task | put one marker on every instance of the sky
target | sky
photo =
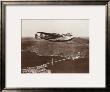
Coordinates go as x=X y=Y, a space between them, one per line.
x=79 y=28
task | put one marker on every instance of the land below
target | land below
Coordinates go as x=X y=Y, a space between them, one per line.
x=56 y=57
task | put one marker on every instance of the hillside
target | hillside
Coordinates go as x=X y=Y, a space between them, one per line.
x=56 y=55
x=47 y=48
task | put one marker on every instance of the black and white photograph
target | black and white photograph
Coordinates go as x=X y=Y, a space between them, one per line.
x=55 y=46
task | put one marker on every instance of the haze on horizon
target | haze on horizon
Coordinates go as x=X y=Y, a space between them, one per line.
x=79 y=28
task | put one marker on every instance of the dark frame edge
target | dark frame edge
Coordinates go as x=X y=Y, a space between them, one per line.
x=2 y=46
x=3 y=7
x=56 y=2
x=108 y=46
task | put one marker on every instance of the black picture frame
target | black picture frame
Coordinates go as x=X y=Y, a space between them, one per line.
x=53 y=2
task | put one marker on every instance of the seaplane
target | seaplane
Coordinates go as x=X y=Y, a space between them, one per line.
x=54 y=37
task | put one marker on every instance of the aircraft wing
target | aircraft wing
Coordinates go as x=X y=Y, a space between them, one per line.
x=50 y=34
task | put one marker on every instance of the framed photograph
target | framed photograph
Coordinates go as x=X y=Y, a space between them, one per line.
x=54 y=44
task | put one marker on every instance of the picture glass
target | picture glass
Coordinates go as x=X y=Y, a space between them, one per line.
x=55 y=46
